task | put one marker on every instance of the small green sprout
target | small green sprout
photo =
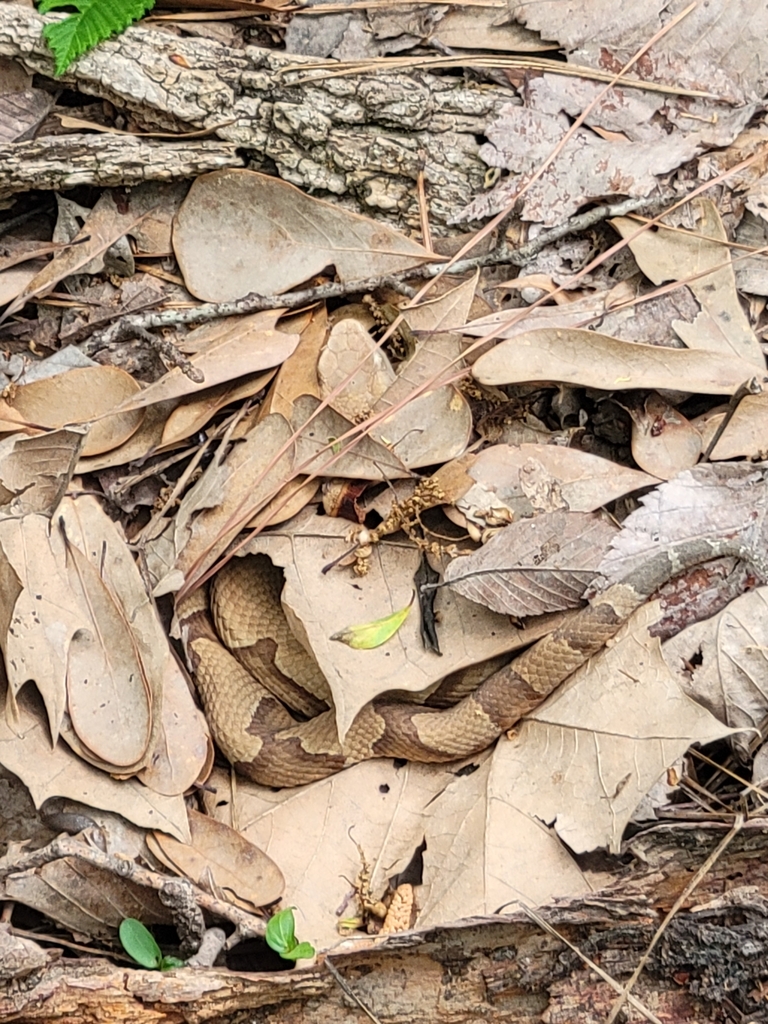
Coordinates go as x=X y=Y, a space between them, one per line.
x=139 y=943
x=281 y=936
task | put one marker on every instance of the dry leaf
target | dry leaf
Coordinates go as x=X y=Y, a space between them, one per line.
x=599 y=361
x=108 y=696
x=194 y=413
x=82 y=395
x=225 y=498
x=614 y=727
x=505 y=482
x=222 y=351
x=52 y=770
x=536 y=565
x=36 y=471
x=746 y=434
x=85 y=899
x=239 y=232
x=220 y=858
x=708 y=502
x=298 y=374
x=728 y=652
x=677 y=255
x=320 y=451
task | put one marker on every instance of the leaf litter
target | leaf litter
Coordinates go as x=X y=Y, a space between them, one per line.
x=348 y=447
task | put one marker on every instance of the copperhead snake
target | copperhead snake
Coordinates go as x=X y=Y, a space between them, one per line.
x=248 y=666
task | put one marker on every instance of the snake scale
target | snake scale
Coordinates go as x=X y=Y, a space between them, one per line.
x=248 y=668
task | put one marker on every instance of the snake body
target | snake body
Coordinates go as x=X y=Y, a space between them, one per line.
x=246 y=681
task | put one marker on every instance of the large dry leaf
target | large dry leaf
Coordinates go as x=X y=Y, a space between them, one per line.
x=53 y=770
x=676 y=255
x=729 y=653
x=87 y=394
x=478 y=855
x=108 y=695
x=220 y=857
x=239 y=232
x=102 y=228
x=705 y=503
x=147 y=439
x=599 y=361
x=195 y=412
x=222 y=351
x=606 y=736
x=319 y=605
x=534 y=566
x=506 y=482
x=433 y=427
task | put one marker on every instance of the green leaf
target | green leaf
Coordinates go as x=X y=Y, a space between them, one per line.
x=303 y=951
x=281 y=932
x=169 y=962
x=373 y=634
x=139 y=943
x=95 y=21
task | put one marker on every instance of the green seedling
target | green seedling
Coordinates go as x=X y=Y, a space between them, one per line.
x=139 y=943
x=281 y=936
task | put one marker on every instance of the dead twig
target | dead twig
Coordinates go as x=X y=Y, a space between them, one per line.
x=139 y=324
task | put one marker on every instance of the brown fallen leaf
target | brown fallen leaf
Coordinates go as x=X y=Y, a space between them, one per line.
x=507 y=482
x=707 y=502
x=746 y=434
x=239 y=231
x=109 y=698
x=665 y=254
x=223 y=860
x=222 y=351
x=233 y=488
x=194 y=412
x=599 y=361
x=637 y=721
x=85 y=899
x=49 y=770
x=298 y=374
x=728 y=652
x=565 y=549
x=86 y=394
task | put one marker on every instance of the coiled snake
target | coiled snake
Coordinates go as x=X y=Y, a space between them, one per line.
x=248 y=667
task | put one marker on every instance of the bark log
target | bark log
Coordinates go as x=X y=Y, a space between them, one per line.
x=362 y=139
x=712 y=957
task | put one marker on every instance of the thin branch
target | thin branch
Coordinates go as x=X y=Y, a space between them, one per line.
x=138 y=324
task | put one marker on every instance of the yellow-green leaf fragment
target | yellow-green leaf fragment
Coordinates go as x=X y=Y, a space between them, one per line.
x=373 y=634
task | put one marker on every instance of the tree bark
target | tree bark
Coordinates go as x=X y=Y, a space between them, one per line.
x=711 y=957
x=362 y=139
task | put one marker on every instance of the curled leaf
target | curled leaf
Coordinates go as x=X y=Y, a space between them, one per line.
x=373 y=634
